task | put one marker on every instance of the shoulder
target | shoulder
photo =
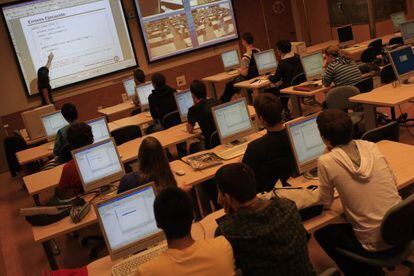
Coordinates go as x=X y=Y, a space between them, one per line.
x=156 y=266
x=130 y=177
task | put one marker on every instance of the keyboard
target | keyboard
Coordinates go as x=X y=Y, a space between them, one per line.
x=233 y=72
x=232 y=152
x=130 y=265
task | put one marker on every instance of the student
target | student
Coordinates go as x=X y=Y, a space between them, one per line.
x=366 y=187
x=70 y=113
x=339 y=70
x=247 y=70
x=184 y=257
x=270 y=156
x=139 y=78
x=153 y=166
x=267 y=236
x=201 y=112
x=43 y=82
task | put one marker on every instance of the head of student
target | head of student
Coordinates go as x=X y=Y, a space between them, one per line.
x=247 y=40
x=79 y=135
x=331 y=52
x=158 y=81
x=173 y=212
x=198 y=90
x=236 y=186
x=43 y=78
x=139 y=76
x=284 y=47
x=69 y=112
x=153 y=163
x=268 y=109
x=335 y=127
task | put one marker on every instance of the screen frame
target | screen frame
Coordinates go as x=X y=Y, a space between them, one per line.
x=311 y=77
x=392 y=21
x=404 y=77
x=409 y=40
x=59 y=89
x=263 y=72
x=106 y=124
x=176 y=94
x=226 y=69
x=50 y=137
x=143 y=106
x=349 y=42
x=149 y=61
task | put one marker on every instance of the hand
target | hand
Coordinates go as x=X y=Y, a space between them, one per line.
x=50 y=56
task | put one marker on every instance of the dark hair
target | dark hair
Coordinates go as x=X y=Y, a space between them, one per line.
x=173 y=212
x=198 y=89
x=43 y=78
x=139 y=75
x=269 y=107
x=284 y=46
x=335 y=126
x=79 y=135
x=158 y=80
x=69 y=112
x=248 y=37
x=237 y=180
x=332 y=51
x=153 y=163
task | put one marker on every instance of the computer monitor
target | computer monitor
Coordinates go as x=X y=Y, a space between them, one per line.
x=402 y=60
x=129 y=86
x=52 y=122
x=230 y=59
x=407 y=31
x=184 y=101
x=265 y=61
x=143 y=91
x=345 y=35
x=306 y=142
x=100 y=129
x=127 y=221
x=98 y=164
x=397 y=19
x=33 y=123
x=312 y=65
x=232 y=121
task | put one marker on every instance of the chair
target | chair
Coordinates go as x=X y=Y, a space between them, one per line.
x=136 y=111
x=366 y=85
x=387 y=74
x=171 y=119
x=368 y=55
x=214 y=139
x=298 y=79
x=397 y=229
x=338 y=98
x=396 y=41
x=390 y=131
x=12 y=145
x=125 y=134
x=377 y=46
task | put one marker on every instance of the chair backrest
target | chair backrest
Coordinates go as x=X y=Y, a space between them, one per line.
x=171 y=119
x=365 y=85
x=377 y=45
x=396 y=41
x=338 y=97
x=397 y=227
x=125 y=134
x=214 y=139
x=387 y=74
x=368 y=55
x=65 y=154
x=298 y=79
x=135 y=111
x=390 y=131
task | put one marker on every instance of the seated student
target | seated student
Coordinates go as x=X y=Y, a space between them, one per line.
x=153 y=166
x=339 y=70
x=267 y=236
x=139 y=78
x=200 y=112
x=70 y=114
x=173 y=212
x=270 y=156
x=247 y=70
x=366 y=187
x=289 y=67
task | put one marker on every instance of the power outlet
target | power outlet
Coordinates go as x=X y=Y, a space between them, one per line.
x=181 y=81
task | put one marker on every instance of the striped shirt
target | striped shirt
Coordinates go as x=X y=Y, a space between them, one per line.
x=342 y=71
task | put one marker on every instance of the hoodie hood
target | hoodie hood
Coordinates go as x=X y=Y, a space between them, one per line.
x=365 y=170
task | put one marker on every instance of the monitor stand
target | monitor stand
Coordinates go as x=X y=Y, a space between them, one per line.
x=311 y=174
x=408 y=82
x=104 y=190
x=235 y=143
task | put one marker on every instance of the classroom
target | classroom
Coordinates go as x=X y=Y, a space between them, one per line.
x=207 y=137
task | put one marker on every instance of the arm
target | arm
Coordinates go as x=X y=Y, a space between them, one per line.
x=277 y=76
x=191 y=120
x=328 y=76
x=49 y=60
x=58 y=143
x=326 y=187
x=244 y=68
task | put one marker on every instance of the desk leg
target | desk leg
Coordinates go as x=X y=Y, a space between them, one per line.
x=213 y=90
x=36 y=199
x=50 y=256
x=370 y=117
x=297 y=108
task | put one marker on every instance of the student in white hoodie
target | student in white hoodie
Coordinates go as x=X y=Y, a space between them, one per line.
x=367 y=189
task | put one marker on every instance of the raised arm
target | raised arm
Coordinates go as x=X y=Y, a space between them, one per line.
x=49 y=60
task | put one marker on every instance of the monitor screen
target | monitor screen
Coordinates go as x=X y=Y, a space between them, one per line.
x=52 y=123
x=345 y=34
x=313 y=65
x=184 y=102
x=266 y=61
x=128 y=218
x=129 y=86
x=230 y=59
x=397 y=19
x=97 y=163
x=407 y=31
x=143 y=92
x=88 y=38
x=99 y=129
x=403 y=60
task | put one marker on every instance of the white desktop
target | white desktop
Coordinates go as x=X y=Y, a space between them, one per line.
x=143 y=91
x=52 y=122
x=184 y=101
x=313 y=66
x=100 y=129
x=266 y=62
x=231 y=60
x=33 y=123
x=407 y=31
x=129 y=86
x=402 y=60
x=345 y=35
x=397 y=19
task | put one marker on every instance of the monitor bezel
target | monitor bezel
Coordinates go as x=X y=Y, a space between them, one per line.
x=349 y=42
x=311 y=77
x=403 y=33
x=123 y=84
x=182 y=116
x=229 y=68
x=397 y=29
x=143 y=106
x=50 y=137
x=106 y=124
x=265 y=71
x=404 y=77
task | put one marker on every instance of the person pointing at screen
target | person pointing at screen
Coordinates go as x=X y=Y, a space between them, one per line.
x=43 y=82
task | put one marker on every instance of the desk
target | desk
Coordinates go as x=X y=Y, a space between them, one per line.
x=29 y=142
x=321 y=46
x=387 y=96
x=112 y=111
x=141 y=119
x=35 y=153
x=256 y=84
x=218 y=78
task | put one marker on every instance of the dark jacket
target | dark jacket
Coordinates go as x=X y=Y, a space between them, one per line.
x=162 y=102
x=286 y=70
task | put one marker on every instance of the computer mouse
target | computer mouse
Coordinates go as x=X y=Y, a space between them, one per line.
x=312 y=187
x=180 y=172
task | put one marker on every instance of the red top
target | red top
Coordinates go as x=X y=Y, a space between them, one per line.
x=70 y=180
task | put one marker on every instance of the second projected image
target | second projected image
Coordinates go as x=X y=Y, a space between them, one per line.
x=172 y=27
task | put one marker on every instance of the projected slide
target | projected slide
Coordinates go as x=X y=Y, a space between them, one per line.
x=86 y=38
x=172 y=27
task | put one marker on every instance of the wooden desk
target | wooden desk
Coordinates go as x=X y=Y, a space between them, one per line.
x=256 y=84
x=35 y=153
x=218 y=78
x=387 y=96
x=112 y=111
x=142 y=119
x=321 y=46
x=29 y=142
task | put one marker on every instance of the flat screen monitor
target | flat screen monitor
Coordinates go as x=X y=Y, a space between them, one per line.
x=127 y=221
x=306 y=142
x=33 y=123
x=173 y=27
x=100 y=129
x=230 y=59
x=313 y=65
x=129 y=86
x=88 y=38
x=407 y=31
x=233 y=121
x=265 y=61
x=184 y=101
x=345 y=35
x=402 y=60
x=52 y=122
x=397 y=19
x=143 y=91
x=98 y=164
